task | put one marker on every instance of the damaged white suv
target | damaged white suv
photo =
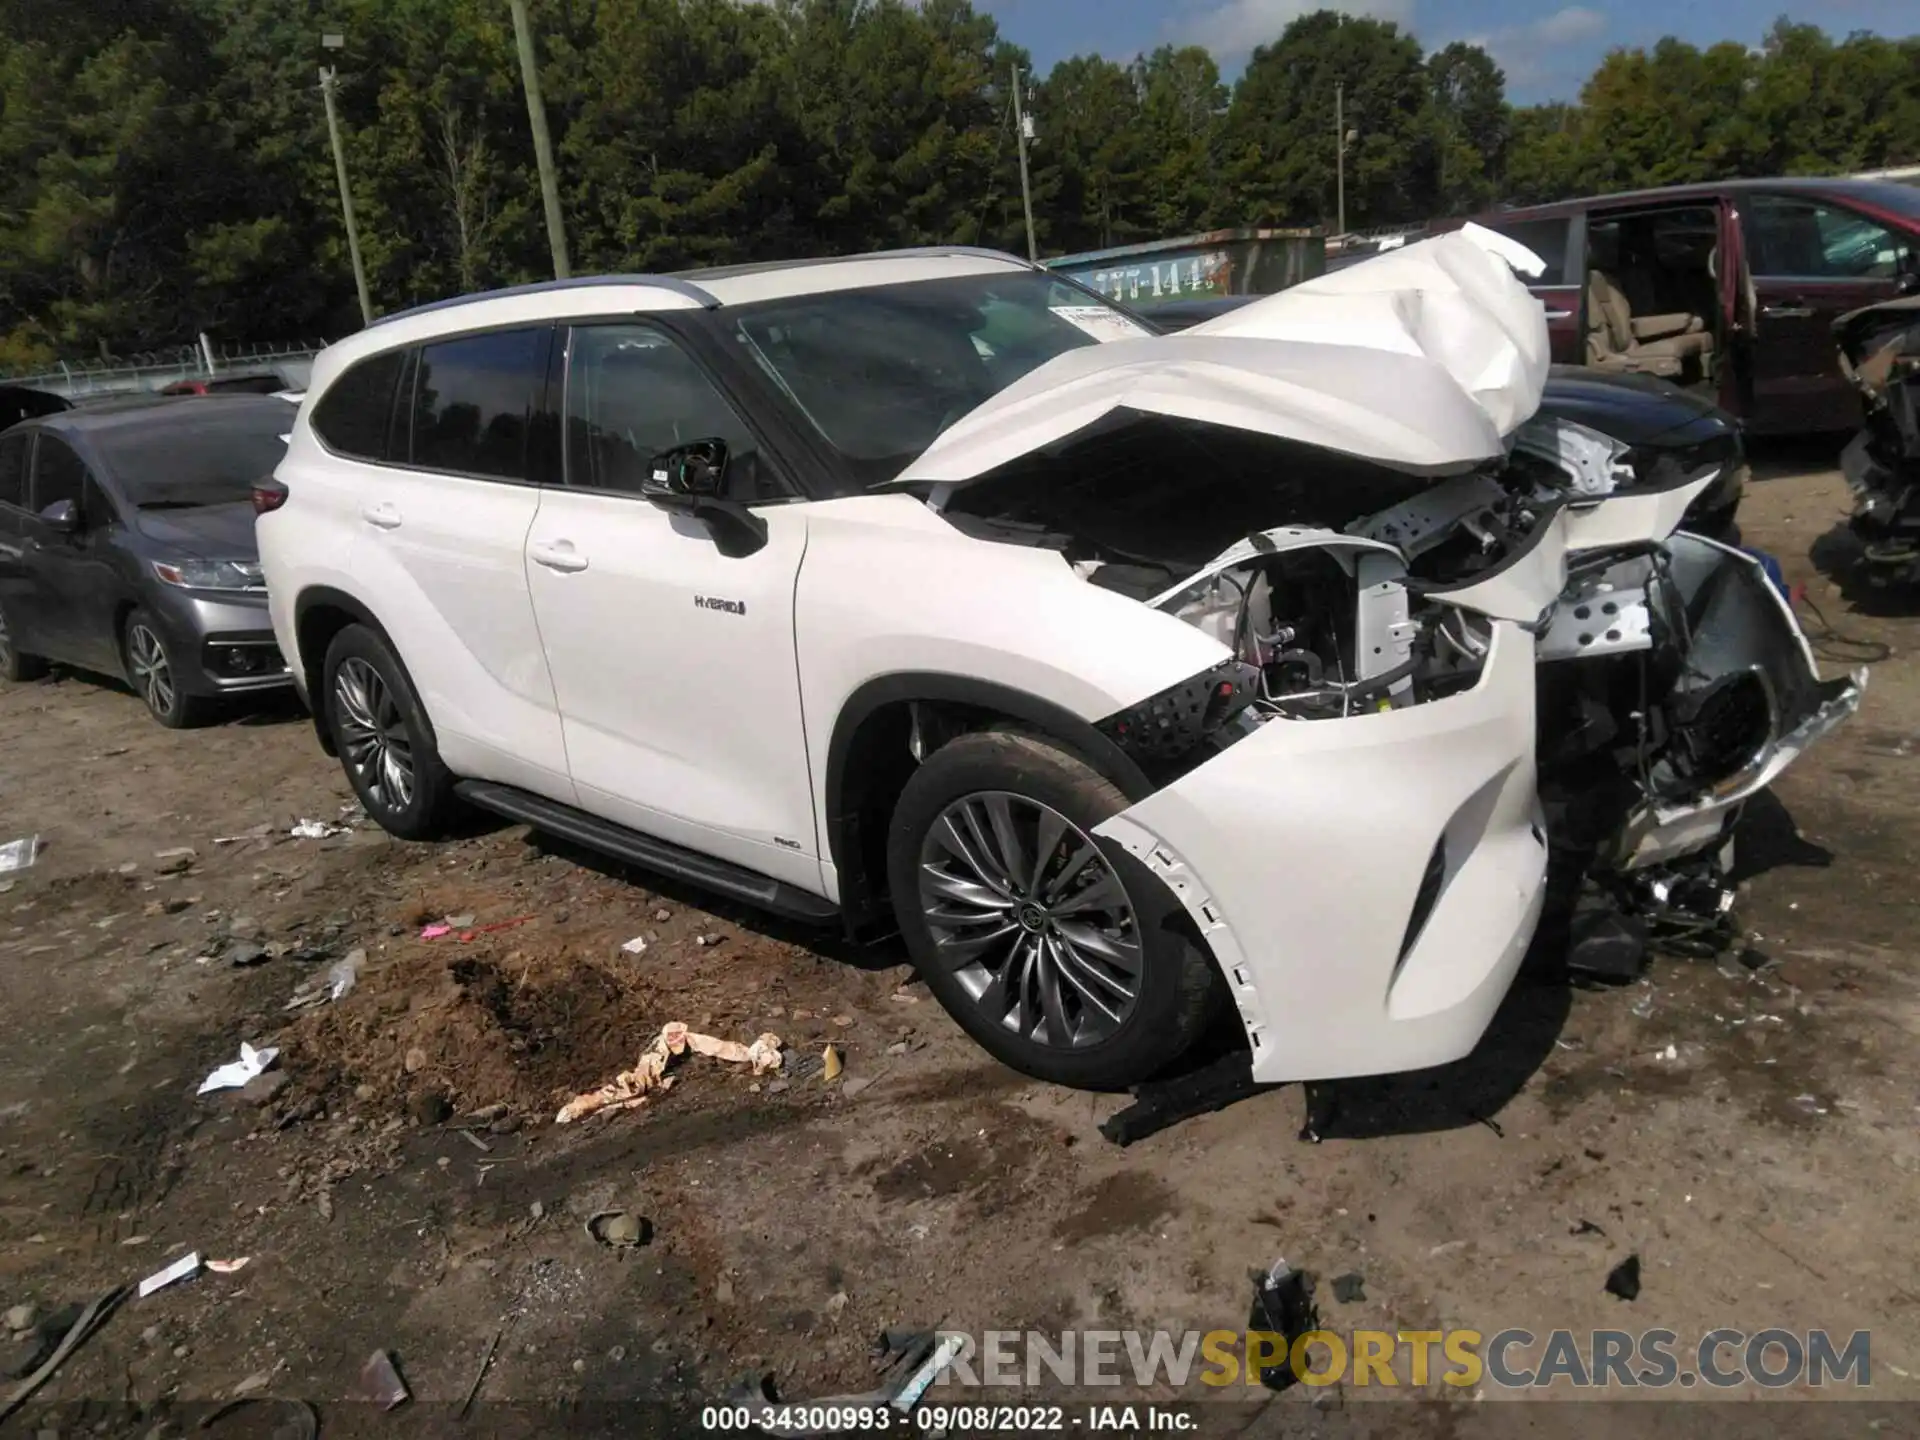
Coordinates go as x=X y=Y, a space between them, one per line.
x=1124 y=674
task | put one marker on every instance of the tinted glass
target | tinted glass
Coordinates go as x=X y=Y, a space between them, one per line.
x=1546 y=238
x=196 y=454
x=1809 y=238
x=474 y=402
x=879 y=372
x=632 y=393
x=351 y=418
x=13 y=470
x=58 y=473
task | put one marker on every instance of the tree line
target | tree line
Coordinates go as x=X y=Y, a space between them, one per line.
x=165 y=168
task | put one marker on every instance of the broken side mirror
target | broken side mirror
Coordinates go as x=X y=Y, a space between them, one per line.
x=62 y=517
x=689 y=480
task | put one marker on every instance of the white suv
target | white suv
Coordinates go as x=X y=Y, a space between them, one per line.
x=677 y=568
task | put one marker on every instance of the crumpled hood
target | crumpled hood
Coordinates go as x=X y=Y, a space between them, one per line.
x=206 y=532
x=1423 y=359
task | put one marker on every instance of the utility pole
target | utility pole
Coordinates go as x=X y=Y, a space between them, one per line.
x=542 y=142
x=1340 y=153
x=328 y=74
x=1023 y=131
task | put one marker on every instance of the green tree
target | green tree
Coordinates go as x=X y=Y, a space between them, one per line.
x=1468 y=97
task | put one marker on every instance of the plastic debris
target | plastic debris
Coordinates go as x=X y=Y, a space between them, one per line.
x=1282 y=1306
x=19 y=854
x=236 y=1073
x=316 y=830
x=1623 y=1280
x=620 y=1229
x=435 y=931
x=228 y=1267
x=380 y=1383
x=185 y=1268
x=649 y=1073
x=830 y=1066
x=636 y=946
x=259 y=832
x=460 y=922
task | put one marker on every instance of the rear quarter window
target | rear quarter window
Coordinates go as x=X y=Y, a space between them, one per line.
x=352 y=417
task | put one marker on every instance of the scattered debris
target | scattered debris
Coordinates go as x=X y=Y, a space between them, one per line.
x=636 y=946
x=1587 y=1227
x=1605 y=945
x=334 y=986
x=259 y=832
x=316 y=830
x=663 y=915
x=704 y=941
x=649 y=1073
x=620 y=1229
x=830 y=1066
x=1283 y=1306
x=236 y=1073
x=486 y=1360
x=175 y=861
x=228 y=1267
x=1161 y=1103
x=184 y=1268
x=1672 y=1052
x=1624 y=1279
x=380 y=1382
x=435 y=931
x=83 y=1326
x=253 y=1384
x=19 y=854
x=1349 y=1288
x=1756 y=959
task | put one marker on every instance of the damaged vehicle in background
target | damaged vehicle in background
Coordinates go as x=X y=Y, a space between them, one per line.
x=1880 y=353
x=1125 y=674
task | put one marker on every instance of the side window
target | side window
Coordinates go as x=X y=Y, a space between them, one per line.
x=1546 y=238
x=13 y=470
x=352 y=416
x=58 y=474
x=1804 y=239
x=633 y=393
x=475 y=400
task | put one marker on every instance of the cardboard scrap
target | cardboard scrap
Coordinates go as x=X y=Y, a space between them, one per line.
x=649 y=1073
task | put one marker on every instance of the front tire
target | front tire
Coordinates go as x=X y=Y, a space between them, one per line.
x=382 y=737
x=154 y=673
x=15 y=666
x=1061 y=954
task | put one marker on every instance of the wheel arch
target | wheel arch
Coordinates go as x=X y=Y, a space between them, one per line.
x=869 y=761
x=320 y=613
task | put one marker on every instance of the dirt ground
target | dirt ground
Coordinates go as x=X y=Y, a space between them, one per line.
x=1749 y=1134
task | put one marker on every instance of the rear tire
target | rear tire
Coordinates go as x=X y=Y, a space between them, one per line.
x=382 y=737
x=1059 y=952
x=155 y=677
x=15 y=666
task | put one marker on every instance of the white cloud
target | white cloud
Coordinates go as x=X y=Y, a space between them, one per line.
x=1535 y=54
x=1231 y=28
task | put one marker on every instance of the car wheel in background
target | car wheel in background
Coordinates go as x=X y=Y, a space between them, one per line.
x=15 y=666
x=1059 y=952
x=155 y=677
x=382 y=737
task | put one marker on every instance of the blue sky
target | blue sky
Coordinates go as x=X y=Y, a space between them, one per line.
x=1546 y=46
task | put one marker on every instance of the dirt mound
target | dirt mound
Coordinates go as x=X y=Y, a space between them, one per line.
x=529 y=1031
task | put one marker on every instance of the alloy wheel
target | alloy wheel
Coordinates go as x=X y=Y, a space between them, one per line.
x=373 y=734
x=1031 y=919
x=152 y=676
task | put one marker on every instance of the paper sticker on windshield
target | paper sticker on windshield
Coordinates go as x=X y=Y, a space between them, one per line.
x=1102 y=323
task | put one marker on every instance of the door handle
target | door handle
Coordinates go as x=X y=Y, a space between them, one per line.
x=559 y=555
x=1785 y=312
x=1559 y=314
x=382 y=516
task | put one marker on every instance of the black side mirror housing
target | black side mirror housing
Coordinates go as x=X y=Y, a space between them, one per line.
x=62 y=517
x=691 y=480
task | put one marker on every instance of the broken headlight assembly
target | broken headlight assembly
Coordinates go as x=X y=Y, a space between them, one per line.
x=1196 y=718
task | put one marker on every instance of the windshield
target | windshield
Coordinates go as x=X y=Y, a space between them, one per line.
x=198 y=453
x=880 y=372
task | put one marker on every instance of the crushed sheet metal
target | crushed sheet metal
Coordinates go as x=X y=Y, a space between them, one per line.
x=649 y=1073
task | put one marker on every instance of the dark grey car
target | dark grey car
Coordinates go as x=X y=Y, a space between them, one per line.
x=126 y=547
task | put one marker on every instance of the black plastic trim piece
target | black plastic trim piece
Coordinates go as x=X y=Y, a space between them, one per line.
x=646 y=850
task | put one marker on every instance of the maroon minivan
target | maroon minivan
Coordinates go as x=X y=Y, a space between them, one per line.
x=1729 y=288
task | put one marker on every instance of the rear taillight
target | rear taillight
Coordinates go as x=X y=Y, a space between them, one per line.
x=268 y=495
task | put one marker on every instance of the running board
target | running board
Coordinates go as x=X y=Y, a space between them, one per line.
x=644 y=850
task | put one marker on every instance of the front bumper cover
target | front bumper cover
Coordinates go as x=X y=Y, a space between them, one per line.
x=1306 y=855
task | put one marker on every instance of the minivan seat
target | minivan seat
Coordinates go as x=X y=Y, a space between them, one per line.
x=1617 y=339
